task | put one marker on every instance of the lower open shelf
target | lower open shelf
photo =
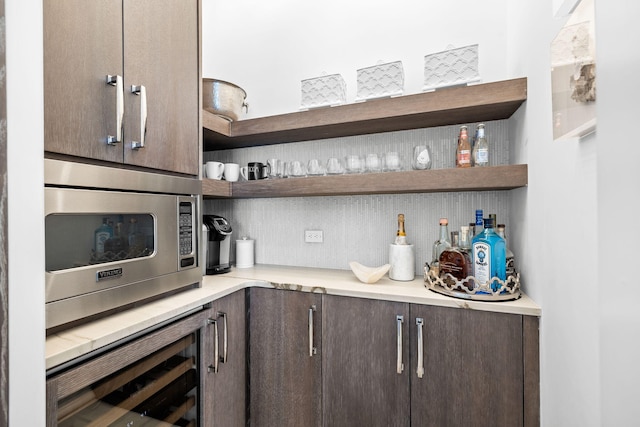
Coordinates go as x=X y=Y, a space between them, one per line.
x=426 y=181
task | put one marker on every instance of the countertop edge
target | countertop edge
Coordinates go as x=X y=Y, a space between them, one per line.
x=65 y=346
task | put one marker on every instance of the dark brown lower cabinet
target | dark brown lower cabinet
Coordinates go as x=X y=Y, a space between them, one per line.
x=400 y=364
x=285 y=378
x=225 y=381
x=473 y=368
x=365 y=367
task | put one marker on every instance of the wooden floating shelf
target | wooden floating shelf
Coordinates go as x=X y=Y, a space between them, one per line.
x=448 y=106
x=429 y=181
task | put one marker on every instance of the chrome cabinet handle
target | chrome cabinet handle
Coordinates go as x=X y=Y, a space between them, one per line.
x=216 y=358
x=312 y=349
x=117 y=82
x=225 y=339
x=420 y=370
x=141 y=91
x=399 y=364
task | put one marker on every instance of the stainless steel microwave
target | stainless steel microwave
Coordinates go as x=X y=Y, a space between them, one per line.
x=116 y=237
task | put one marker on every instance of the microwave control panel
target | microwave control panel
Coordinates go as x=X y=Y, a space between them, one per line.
x=186 y=238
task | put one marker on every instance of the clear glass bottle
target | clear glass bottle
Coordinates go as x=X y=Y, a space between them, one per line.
x=489 y=256
x=401 y=234
x=465 y=241
x=117 y=244
x=463 y=150
x=136 y=239
x=472 y=231
x=481 y=148
x=101 y=235
x=440 y=245
x=455 y=263
x=511 y=261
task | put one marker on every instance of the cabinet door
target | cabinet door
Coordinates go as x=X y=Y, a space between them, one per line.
x=161 y=53
x=224 y=401
x=473 y=371
x=284 y=371
x=82 y=45
x=361 y=383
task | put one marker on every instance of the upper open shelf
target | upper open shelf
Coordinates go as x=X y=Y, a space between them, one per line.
x=448 y=106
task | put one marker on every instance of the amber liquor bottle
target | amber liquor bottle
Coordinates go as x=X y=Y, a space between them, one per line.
x=463 y=151
x=455 y=263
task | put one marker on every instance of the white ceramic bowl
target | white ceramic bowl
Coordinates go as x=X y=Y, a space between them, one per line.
x=368 y=274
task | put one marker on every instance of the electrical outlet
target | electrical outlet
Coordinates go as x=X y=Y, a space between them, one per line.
x=313 y=236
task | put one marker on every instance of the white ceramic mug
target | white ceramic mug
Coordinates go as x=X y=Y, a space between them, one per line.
x=214 y=170
x=231 y=172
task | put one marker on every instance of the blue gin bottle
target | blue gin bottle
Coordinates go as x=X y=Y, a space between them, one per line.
x=489 y=256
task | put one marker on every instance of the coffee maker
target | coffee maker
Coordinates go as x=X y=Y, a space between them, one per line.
x=217 y=244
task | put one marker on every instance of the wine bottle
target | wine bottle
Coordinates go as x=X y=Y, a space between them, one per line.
x=401 y=235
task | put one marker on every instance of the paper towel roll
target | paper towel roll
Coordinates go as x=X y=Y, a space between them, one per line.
x=402 y=259
x=244 y=253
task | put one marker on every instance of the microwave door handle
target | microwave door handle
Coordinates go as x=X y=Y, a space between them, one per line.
x=141 y=91
x=117 y=82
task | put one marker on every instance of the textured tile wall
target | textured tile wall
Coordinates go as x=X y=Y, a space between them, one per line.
x=357 y=228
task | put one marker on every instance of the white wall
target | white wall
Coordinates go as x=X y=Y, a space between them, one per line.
x=25 y=215
x=558 y=212
x=618 y=188
x=268 y=47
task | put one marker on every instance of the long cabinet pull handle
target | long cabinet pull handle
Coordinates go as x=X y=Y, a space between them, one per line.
x=216 y=358
x=117 y=82
x=312 y=349
x=225 y=337
x=141 y=91
x=420 y=370
x=399 y=364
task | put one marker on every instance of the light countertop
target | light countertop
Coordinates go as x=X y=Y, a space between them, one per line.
x=81 y=340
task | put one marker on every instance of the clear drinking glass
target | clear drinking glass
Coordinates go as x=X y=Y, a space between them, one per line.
x=392 y=162
x=421 y=159
x=373 y=163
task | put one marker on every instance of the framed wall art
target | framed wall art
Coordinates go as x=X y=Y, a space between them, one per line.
x=573 y=75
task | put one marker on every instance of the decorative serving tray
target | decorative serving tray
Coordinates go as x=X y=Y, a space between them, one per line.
x=495 y=290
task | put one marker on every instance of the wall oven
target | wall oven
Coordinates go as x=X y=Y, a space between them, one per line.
x=116 y=237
